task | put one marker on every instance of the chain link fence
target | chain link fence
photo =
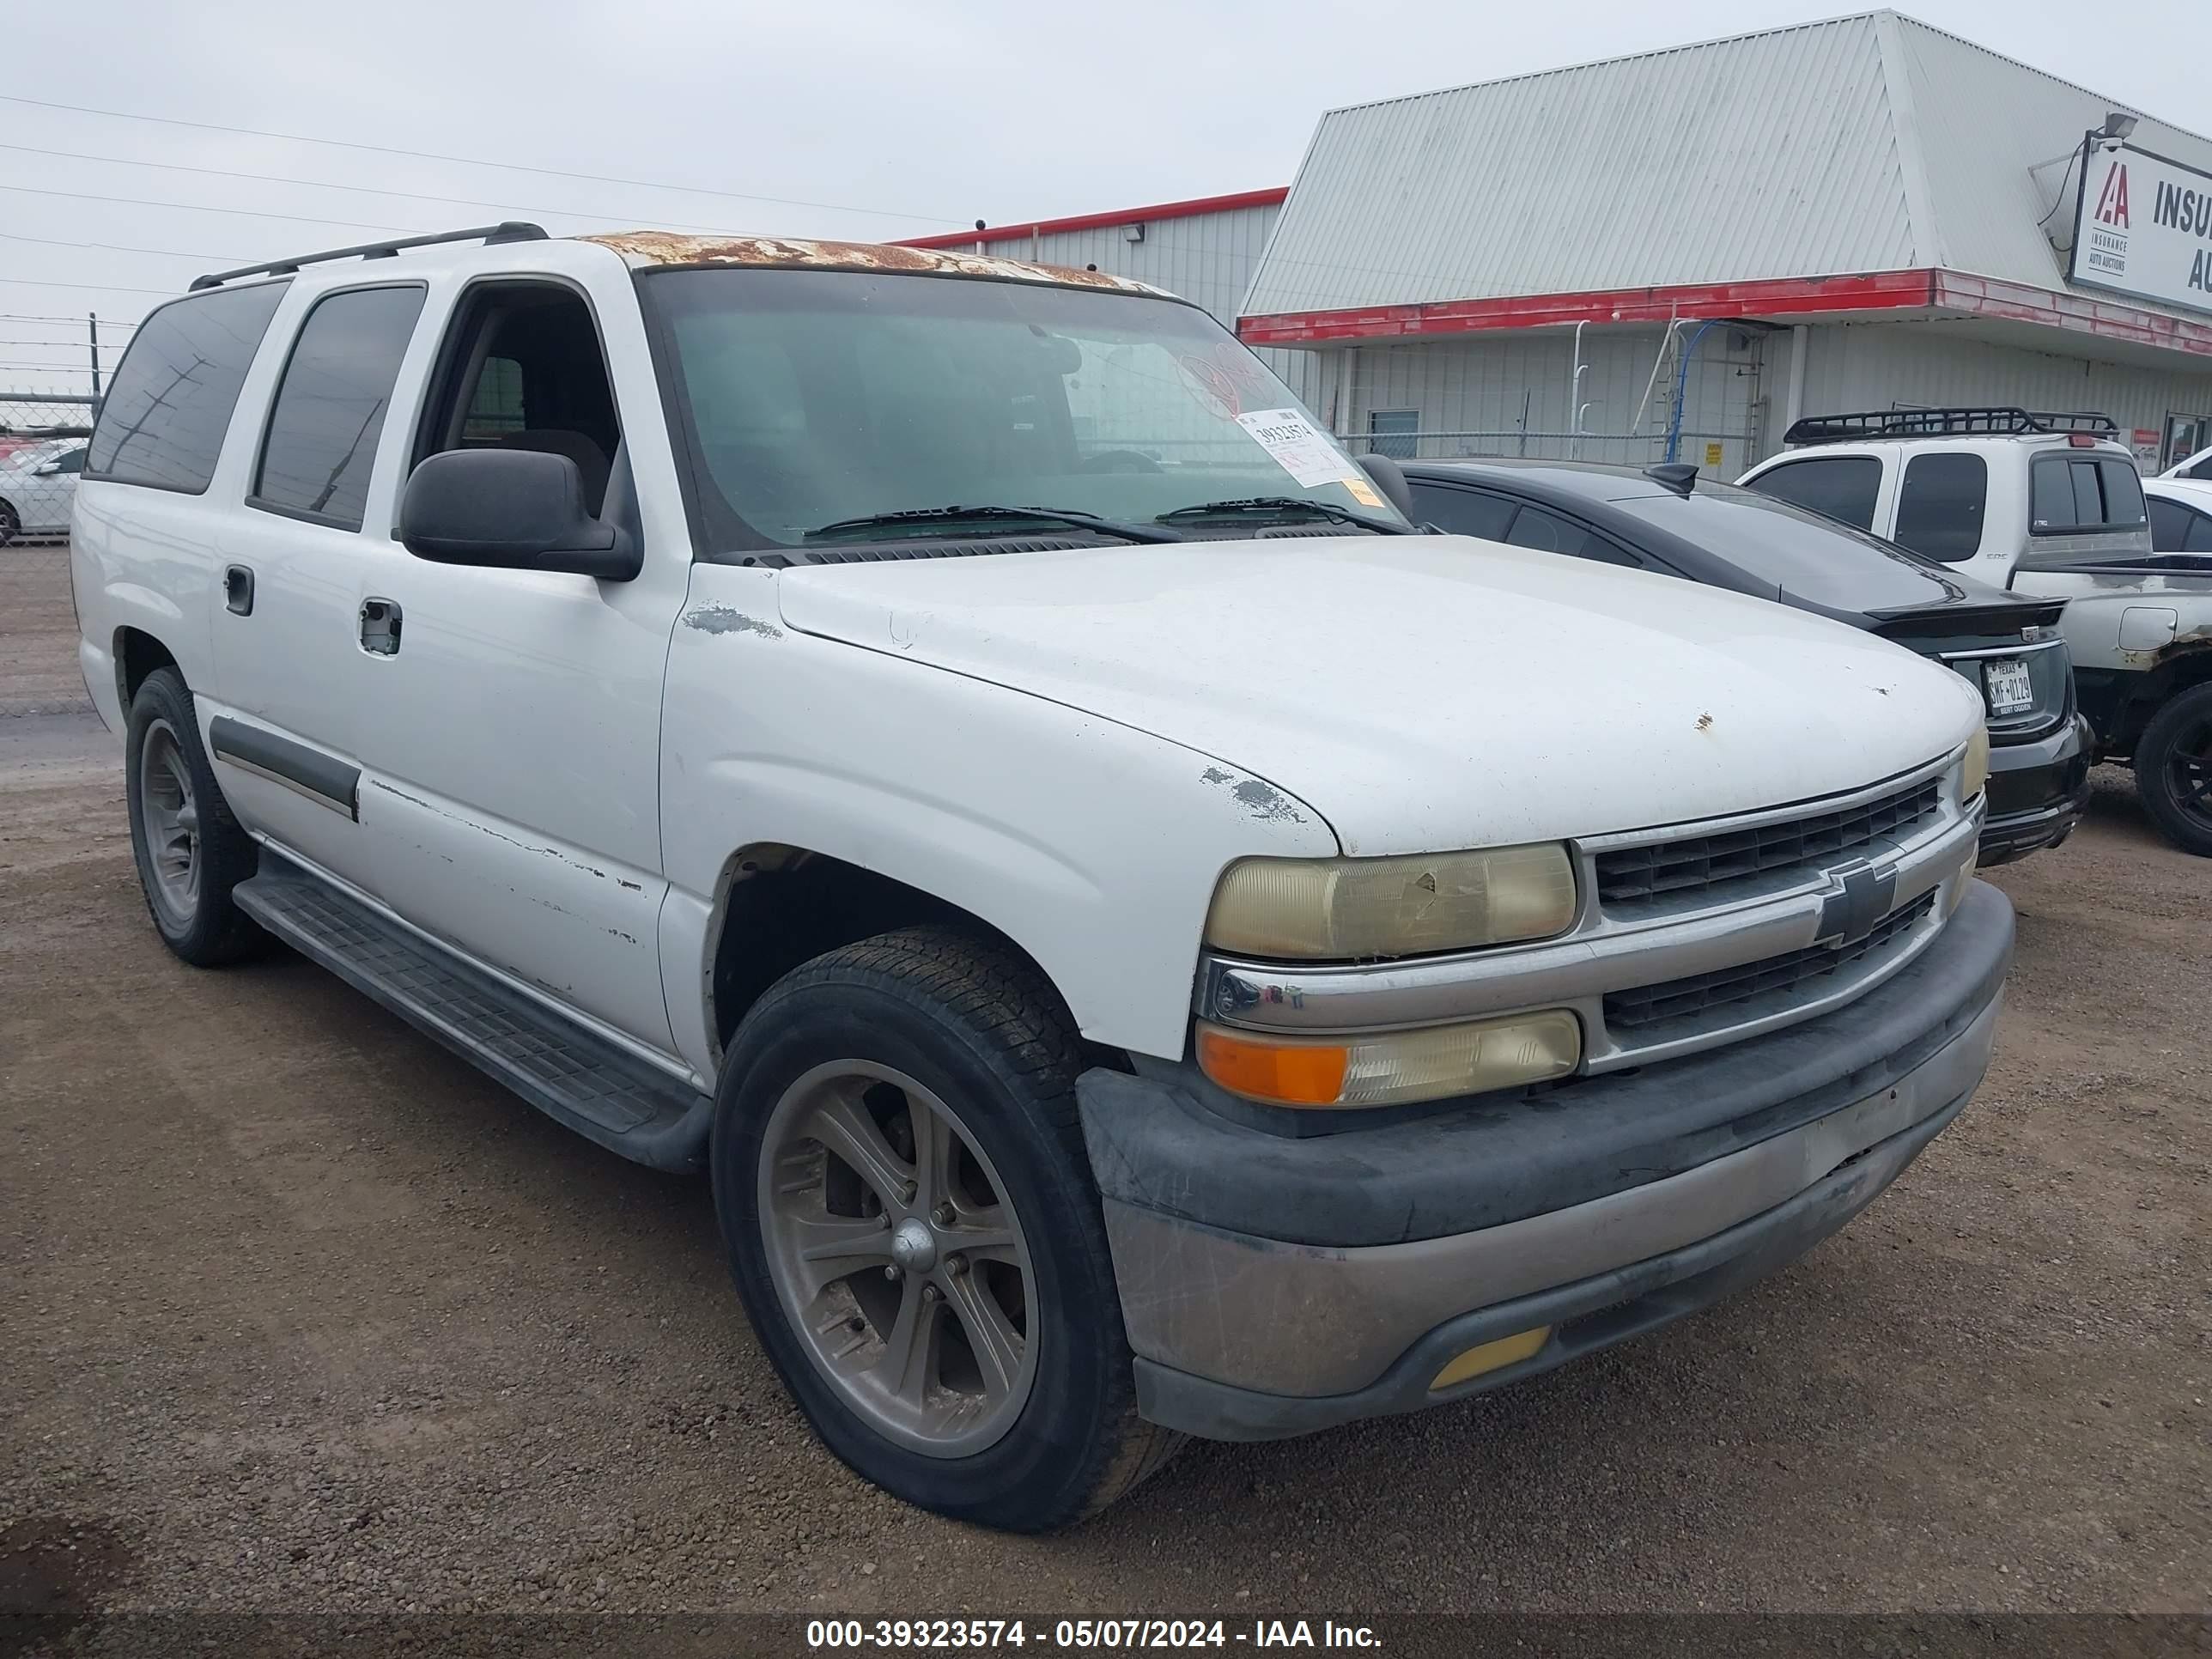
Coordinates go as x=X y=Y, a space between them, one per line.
x=42 y=445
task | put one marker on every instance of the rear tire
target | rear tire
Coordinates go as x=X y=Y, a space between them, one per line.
x=897 y=1149
x=2173 y=770
x=9 y=523
x=190 y=851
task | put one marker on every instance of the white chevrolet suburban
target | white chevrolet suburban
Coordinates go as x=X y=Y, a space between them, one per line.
x=2046 y=504
x=1143 y=942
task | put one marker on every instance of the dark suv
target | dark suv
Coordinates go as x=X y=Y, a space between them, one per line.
x=1669 y=521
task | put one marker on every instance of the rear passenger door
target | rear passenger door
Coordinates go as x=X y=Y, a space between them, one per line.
x=511 y=746
x=287 y=620
x=1943 y=499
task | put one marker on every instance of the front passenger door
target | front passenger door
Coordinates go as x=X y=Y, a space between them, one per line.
x=511 y=735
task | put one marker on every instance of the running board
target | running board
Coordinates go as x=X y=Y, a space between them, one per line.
x=565 y=1071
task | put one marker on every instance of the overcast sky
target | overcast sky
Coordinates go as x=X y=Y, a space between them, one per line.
x=870 y=119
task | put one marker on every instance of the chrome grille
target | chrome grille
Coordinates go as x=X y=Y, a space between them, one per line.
x=1627 y=874
x=1673 y=998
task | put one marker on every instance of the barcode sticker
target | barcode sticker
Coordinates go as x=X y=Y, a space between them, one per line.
x=1299 y=448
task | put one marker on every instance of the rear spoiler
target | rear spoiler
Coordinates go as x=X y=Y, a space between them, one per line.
x=2020 y=612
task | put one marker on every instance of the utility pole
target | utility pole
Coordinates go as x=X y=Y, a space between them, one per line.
x=92 y=324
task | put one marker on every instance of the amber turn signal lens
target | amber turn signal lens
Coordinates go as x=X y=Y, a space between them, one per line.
x=1301 y=1074
x=1390 y=1068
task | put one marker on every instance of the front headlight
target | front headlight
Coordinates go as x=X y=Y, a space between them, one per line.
x=1976 y=772
x=1345 y=910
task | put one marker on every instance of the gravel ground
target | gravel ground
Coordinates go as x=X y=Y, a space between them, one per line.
x=300 y=1313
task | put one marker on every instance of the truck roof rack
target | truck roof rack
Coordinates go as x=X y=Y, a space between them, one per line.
x=1941 y=423
x=511 y=230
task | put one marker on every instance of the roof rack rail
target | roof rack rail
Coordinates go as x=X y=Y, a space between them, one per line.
x=511 y=230
x=1941 y=423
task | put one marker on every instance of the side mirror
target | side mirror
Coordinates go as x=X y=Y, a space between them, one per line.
x=1391 y=480
x=512 y=509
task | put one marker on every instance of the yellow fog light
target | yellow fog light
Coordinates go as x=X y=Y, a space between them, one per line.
x=1392 y=1067
x=1977 y=770
x=1493 y=1356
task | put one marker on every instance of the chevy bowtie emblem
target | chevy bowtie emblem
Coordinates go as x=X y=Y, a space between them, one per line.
x=1863 y=898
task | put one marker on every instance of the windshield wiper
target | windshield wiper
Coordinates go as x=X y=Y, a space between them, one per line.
x=933 y=515
x=1277 y=505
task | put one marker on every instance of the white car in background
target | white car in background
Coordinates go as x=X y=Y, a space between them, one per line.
x=2180 y=514
x=37 y=488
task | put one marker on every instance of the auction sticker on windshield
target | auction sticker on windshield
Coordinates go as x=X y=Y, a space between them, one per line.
x=1299 y=448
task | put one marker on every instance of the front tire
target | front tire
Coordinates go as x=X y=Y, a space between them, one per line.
x=191 y=852
x=2173 y=770
x=901 y=1182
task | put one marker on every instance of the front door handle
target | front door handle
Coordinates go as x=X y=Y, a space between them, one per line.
x=238 y=590
x=380 y=626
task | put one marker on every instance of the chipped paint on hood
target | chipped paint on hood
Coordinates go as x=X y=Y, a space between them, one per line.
x=662 y=247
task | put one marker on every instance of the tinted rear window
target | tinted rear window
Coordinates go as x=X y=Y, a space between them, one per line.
x=1938 y=505
x=1804 y=554
x=2177 y=529
x=2071 y=493
x=1842 y=486
x=1462 y=512
x=170 y=405
x=331 y=403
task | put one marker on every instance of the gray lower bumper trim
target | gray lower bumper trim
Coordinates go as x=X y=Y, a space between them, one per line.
x=1313 y=1320
x=1588 y=1314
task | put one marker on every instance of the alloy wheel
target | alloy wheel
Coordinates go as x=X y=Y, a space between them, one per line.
x=169 y=822
x=2188 y=771
x=898 y=1257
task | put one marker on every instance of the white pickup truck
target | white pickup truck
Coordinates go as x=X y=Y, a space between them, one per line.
x=2051 y=505
x=1143 y=942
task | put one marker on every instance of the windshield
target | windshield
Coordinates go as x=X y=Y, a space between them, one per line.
x=812 y=399
x=1806 y=555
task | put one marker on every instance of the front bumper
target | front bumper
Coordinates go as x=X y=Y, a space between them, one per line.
x=2036 y=793
x=1274 y=1285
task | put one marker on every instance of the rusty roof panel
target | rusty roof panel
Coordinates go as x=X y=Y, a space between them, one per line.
x=662 y=247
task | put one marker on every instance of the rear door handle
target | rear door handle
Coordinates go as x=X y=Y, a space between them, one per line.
x=238 y=590
x=380 y=626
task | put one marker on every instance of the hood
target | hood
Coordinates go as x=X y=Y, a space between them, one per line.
x=1421 y=692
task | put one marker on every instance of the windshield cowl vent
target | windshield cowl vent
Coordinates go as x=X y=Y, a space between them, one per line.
x=886 y=552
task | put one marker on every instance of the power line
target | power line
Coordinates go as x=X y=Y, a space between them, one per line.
x=97 y=288
x=63 y=345
x=474 y=162
x=117 y=247
x=194 y=206
x=370 y=190
x=50 y=317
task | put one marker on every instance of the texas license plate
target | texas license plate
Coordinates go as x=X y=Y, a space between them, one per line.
x=2010 y=689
